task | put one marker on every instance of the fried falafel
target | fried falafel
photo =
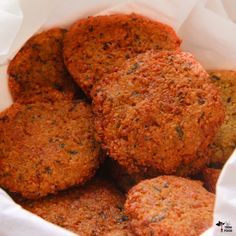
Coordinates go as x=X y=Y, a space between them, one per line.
x=225 y=141
x=159 y=111
x=39 y=66
x=168 y=206
x=96 y=46
x=93 y=209
x=47 y=147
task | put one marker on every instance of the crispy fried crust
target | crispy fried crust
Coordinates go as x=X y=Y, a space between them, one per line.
x=169 y=206
x=160 y=110
x=95 y=46
x=45 y=148
x=39 y=67
x=95 y=209
x=210 y=177
x=225 y=141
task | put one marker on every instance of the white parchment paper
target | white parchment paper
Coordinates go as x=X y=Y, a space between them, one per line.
x=208 y=31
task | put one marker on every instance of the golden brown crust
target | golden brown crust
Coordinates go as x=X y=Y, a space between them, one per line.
x=94 y=209
x=225 y=141
x=169 y=206
x=95 y=46
x=210 y=177
x=159 y=110
x=39 y=66
x=46 y=147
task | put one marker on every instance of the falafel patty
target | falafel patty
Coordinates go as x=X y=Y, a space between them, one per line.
x=94 y=209
x=47 y=147
x=169 y=205
x=225 y=141
x=39 y=66
x=96 y=46
x=210 y=178
x=160 y=111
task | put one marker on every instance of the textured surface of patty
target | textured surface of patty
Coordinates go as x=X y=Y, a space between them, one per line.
x=169 y=206
x=210 y=177
x=225 y=141
x=93 y=209
x=46 y=147
x=39 y=66
x=124 y=232
x=95 y=46
x=159 y=110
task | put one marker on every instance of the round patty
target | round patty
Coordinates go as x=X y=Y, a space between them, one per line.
x=210 y=178
x=46 y=147
x=225 y=141
x=95 y=46
x=39 y=66
x=168 y=206
x=93 y=209
x=160 y=110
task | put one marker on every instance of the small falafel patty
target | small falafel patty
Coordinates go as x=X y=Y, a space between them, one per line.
x=225 y=141
x=47 y=147
x=160 y=110
x=96 y=46
x=39 y=66
x=168 y=206
x=210 y=178
x=93 y=209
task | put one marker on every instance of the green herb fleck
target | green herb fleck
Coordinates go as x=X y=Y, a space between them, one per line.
x=120 y=207
x=179 y=131
x=127 y=56
x=157 y=189
x=134 y=93
x=58 y=87
x=87 y=77
x=35 y=46
x=158 y=218
x=215 y=78
x=122 y=219
x=102 y=215
x=28 y=107
x=4 y=119
x=106 y=45
x=201 y=100
x=72 y=152
x=90 y=28
x=165 y=185
x=48 y=170
x=133 y=68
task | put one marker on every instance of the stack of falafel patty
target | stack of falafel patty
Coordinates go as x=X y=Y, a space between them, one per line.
x=114 y=129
